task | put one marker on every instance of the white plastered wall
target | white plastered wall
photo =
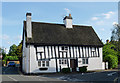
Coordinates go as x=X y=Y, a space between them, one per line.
x=34 y=68
x=94 y=63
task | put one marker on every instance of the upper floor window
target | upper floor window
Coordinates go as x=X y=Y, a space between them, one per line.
x=63 y=48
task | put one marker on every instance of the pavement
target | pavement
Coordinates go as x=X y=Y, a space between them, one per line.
x=108 y=76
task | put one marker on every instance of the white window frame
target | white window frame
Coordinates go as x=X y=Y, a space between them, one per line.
x=85 y=61
x=62 y=61
x=44 y=63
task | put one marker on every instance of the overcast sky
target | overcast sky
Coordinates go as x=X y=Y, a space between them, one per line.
x=100 y=15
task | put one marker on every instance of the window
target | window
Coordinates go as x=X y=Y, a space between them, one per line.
x=93 y=52
x=62 y=61
x=43 y=63
x=85 y=61
x=63 y=48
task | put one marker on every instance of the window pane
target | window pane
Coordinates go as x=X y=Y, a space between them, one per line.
x=65 y=61
x=62 y=61
x=59 y=61
x=66 y=48
x=47 y=63
x=62 y=47
x=43 y=63
x=83 y=61
x=86 y=61
x=39 y=63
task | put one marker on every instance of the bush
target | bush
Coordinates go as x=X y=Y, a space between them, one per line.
x=66 y=70
x=112 y=61
x=83 y=69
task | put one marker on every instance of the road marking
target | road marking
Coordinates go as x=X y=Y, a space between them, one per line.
x=110 y=74
x=11 y=78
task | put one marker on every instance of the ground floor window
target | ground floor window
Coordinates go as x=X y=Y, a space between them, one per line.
x=43 y=63
x=85 y=61
x=63 y=61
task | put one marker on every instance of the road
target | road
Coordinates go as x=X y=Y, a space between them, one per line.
x=12 y=74
x=97 y=77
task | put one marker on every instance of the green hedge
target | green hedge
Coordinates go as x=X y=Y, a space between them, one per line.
x=83 y=69
x=66 y=70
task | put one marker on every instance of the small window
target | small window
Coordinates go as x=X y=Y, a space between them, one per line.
x=63 y=48
x=85 y=61
x=43 y=63
x=62 y=61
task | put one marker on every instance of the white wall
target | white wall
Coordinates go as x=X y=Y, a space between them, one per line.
x=34 y=68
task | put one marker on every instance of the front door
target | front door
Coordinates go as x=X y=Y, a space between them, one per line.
x=73 y=64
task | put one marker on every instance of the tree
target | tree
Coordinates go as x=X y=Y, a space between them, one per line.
x=110 y=55
x=112 y=61
x=19 y=49
x=19 y=53
x=13 y=50
x=3 y=53
x=115 y=38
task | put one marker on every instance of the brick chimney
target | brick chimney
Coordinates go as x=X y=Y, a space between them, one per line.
x=68 y=21
x=28 y=25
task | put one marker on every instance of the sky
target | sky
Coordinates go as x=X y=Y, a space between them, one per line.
x=100 y=15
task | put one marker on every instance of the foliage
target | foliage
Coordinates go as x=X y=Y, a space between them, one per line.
x=66 y=70
x=19 y=50
x=12 y=58
x=110 y=55
x=109 y=49
x=15 y=53
x=83 y=69
x=115 y=38
x=13 y=50
x=112 y=61
x=3 y=53
x=3 y=62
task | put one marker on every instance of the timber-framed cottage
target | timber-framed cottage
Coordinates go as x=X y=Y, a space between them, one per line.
x=49 y=47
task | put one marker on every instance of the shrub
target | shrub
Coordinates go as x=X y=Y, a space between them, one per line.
x=112 y=61
x=66 y=70
x=83 y=69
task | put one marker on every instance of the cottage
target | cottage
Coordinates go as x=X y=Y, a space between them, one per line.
x=49 y=47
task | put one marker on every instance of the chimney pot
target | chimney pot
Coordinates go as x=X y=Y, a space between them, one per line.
x=69 y=15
